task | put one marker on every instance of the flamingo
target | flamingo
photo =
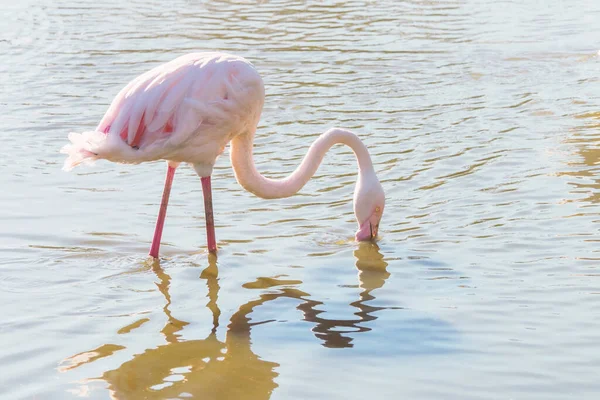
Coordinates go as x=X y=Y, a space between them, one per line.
x=188 y=110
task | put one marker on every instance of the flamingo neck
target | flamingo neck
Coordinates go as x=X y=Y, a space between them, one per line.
x=247 y=175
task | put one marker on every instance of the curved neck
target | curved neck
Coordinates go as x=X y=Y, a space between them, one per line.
x=247 y=175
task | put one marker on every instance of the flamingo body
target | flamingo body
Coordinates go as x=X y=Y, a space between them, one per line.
x=188 y=110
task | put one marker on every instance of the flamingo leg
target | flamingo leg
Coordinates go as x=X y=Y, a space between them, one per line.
x=208 y=211
x=160 y=222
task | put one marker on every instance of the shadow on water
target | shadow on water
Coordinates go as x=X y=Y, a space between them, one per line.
x=230 y=369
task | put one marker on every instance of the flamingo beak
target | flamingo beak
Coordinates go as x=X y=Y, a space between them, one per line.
x=367 y=231
x=374 y=230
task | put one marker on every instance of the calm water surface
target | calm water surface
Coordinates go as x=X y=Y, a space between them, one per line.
x=483 y=119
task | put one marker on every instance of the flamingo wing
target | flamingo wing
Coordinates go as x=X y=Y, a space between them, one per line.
x=173 y=101
x=186 y=110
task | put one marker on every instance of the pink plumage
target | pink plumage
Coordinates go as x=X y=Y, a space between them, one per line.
x=188 y=110
x=184 y=110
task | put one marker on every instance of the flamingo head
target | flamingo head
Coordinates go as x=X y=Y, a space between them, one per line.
x=369 y=202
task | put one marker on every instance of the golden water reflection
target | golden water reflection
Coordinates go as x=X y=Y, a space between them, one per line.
x=586 y=140
x=231 y=370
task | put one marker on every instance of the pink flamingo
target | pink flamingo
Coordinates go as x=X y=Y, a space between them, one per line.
x=187 y=110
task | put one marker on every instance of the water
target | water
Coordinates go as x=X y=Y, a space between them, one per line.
x=483 y=120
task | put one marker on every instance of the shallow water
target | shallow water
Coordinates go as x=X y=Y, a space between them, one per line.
x=483 y=120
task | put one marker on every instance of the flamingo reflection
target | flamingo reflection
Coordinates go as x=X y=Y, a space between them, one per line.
x=214 y=369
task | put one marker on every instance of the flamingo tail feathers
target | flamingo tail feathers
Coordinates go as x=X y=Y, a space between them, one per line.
x=85 y=147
